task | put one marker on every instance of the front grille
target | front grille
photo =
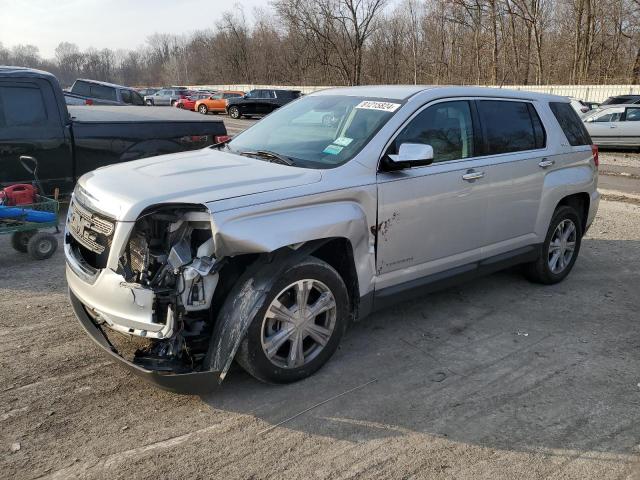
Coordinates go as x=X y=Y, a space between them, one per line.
x=92 y=232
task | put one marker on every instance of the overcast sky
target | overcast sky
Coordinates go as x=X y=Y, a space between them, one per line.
x=106 y=23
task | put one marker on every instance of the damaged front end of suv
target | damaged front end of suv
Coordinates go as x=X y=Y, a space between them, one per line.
x=144 y=291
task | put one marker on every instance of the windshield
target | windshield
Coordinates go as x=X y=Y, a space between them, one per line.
x=317 y=131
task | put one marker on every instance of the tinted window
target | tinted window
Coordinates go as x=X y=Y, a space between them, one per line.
x=633 y=115
x=126 y=96
x=81 y=88
x=570 y=123
x=22 y=107
x=508 y=126
x=102 y=92
x=136 y=98
x=619 y=100
x=446 y=126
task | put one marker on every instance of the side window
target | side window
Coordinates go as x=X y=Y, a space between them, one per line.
x=509 y=126
x=136 y=98
x=22 y=107
x=126 y=96
x=608 y=116
x=633 y=115
x=81 y=88
x=570 y=123
x=102 y=92
x=446 y=126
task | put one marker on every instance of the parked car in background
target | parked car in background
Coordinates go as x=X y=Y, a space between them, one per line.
x=68 y=141
x=147 y=91
x=621 y=99
x=591 y=105
x=263 y=249
x=615 y=126
x=259 y=102
x=103 y=93
x=217 y=102
x=166 y=96
x=579 y=106
x=189 y=103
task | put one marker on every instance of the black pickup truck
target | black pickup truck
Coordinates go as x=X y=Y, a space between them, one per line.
x=68 y=142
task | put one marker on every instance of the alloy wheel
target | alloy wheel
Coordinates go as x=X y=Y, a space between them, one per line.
x=298 y=323
x=562 y=246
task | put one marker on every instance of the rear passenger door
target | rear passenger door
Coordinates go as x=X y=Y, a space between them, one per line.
x=515 y=146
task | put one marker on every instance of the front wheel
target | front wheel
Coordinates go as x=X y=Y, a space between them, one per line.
x=203 y=109
x=299 y=326
x=234 y=112
x=560 y=248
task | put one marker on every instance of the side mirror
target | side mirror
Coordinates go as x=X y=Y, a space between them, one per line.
x=411 y=155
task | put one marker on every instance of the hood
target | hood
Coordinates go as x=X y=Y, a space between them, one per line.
x=124 y=190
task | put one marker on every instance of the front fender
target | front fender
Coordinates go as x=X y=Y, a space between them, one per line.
x=246 y=230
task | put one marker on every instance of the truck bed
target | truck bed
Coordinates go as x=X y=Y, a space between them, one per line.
x=125 y=114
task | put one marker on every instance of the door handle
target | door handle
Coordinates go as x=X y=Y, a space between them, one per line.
x=546 y=163
x=470 y=176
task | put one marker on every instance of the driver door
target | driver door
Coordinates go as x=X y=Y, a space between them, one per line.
x=432 y=218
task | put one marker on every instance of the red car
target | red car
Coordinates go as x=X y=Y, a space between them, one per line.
x=189 y=103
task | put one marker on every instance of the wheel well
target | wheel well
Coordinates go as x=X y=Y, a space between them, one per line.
x=579 y=201
x=339 y=254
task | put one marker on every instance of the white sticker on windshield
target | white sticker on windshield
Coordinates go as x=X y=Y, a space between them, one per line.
x=384 y=106
x=343 y=141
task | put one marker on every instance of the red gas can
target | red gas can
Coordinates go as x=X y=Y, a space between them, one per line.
x=20 y=194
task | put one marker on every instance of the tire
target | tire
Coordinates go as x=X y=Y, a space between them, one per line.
x=565 y=221
x=203 y=109
x=149 y=103
x=173 y=103
x=20 y=240
x=234 y=112
x=42 y=245
x=324 y=282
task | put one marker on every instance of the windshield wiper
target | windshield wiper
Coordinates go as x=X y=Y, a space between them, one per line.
x=270 y=156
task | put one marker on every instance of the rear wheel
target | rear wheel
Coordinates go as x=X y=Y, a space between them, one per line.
x=20 y=240
x=299 y=326
x=203 y=109
x=173 y=103
x=42 y=245
x=560 y=248
x=234 y=112
x=149 y=103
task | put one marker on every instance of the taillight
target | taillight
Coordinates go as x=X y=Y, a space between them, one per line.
x=88 y=101
x=221 y=139
x=594 y=152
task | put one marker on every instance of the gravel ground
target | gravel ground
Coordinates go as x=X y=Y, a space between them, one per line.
x=496 y=379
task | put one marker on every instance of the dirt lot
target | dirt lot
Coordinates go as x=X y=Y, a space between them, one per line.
x=496 y=379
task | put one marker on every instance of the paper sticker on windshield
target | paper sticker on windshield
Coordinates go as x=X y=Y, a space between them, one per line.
x=343 y=141
x=333 y=150
x=384 y=106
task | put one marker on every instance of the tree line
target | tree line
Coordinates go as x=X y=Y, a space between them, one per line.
x=353 y=42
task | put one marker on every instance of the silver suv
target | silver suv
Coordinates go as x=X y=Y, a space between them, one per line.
x=262 y=249
x=166 y=96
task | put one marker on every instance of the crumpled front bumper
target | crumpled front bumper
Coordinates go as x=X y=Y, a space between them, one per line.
x=189 y=383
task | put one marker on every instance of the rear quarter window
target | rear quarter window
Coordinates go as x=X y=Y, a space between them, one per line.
x=570 y=123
